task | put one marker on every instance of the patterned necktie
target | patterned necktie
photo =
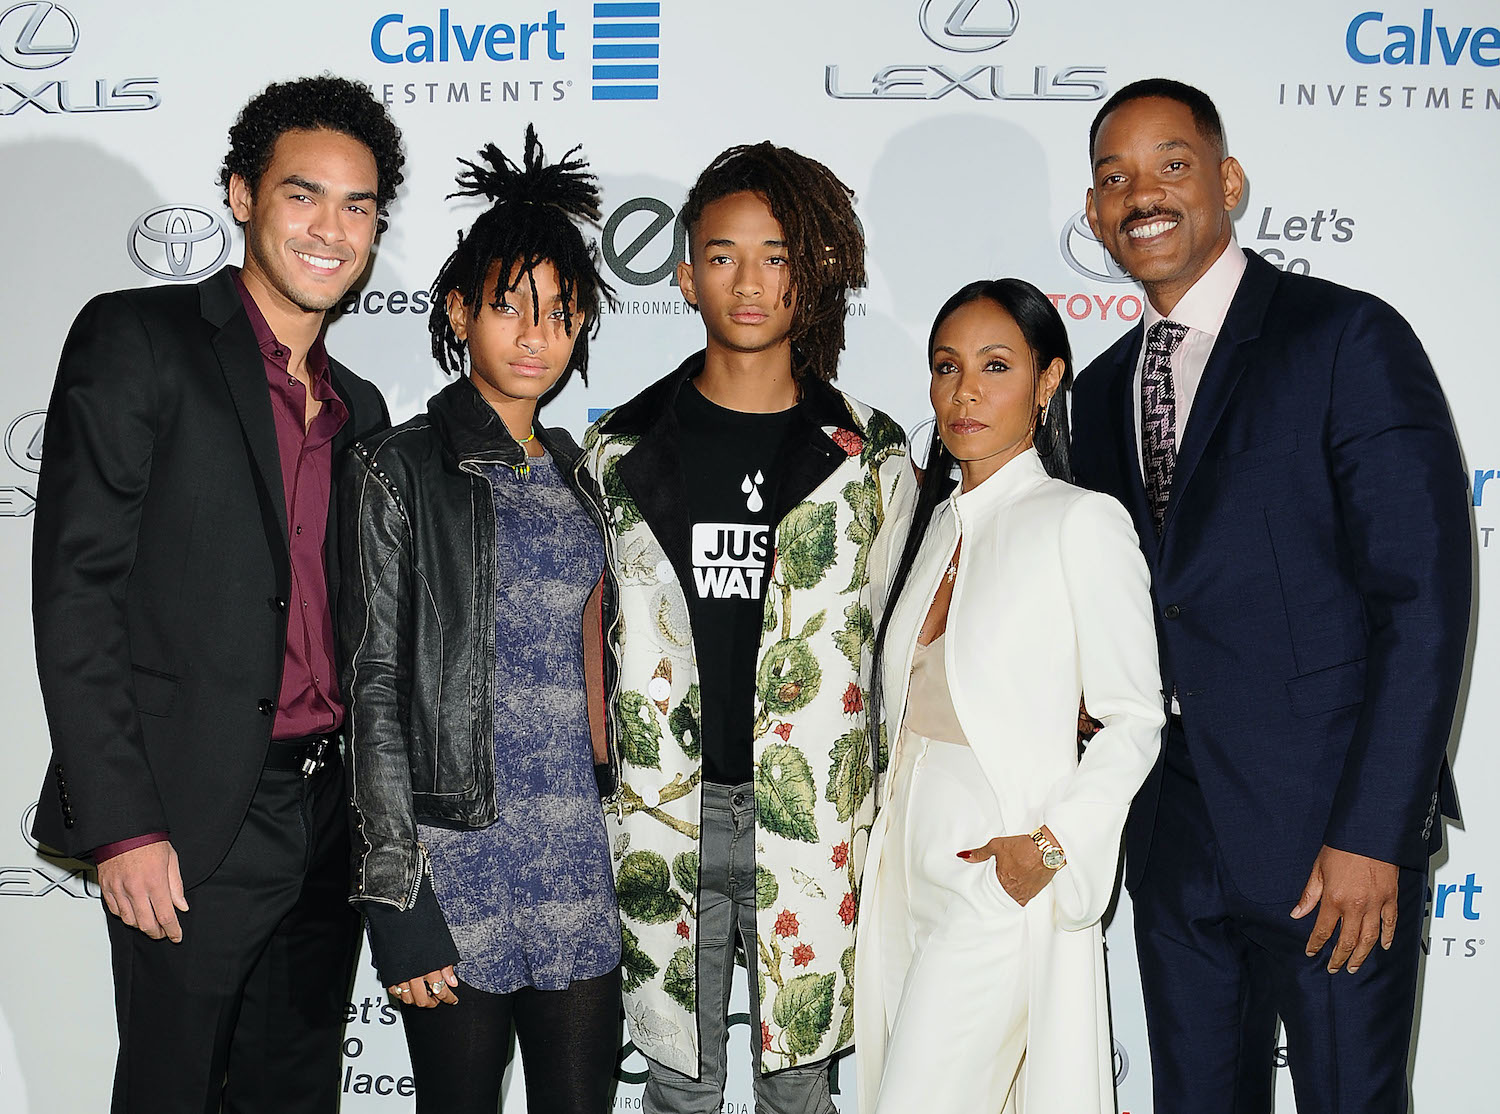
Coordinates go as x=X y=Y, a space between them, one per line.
x=1159 y=415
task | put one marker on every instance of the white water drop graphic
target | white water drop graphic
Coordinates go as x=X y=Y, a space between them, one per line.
x=752 y=488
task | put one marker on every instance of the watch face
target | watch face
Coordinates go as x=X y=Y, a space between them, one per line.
x=1053 y=859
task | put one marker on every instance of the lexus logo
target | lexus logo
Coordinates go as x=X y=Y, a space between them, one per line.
x=961 y=29
x=37 y=36
x=23 y=440
x=178 y=243
x=26 y=818
x=1082 y=251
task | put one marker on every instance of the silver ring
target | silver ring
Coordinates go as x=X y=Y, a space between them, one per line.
x=405 y=990
x=436 y=988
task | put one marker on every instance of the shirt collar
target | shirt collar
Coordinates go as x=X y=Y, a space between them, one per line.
x=274 y=352
x=1206 y=304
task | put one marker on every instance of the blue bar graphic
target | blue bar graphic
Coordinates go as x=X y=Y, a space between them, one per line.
x=624 y=92
x=627 y=30
x=627 y=50
x=618 y=73
x=633 y=11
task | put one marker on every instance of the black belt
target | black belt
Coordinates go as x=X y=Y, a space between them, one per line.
x=305 y=756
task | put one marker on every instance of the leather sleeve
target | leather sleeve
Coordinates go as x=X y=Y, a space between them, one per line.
x=96 y=467
x=374 y=631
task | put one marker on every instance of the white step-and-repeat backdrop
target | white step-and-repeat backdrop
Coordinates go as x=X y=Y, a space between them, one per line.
x=1369 y=134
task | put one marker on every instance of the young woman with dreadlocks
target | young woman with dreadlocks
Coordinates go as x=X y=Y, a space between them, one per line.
x=749 y=501
x=979 y=982
x=472 y=614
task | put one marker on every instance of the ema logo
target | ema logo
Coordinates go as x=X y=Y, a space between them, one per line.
x=1405 y=46
x=178 y=243
x=39 y=36
x=626 y=52
x=459 y=42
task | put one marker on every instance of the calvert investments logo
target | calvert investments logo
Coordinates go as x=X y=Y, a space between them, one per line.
x=969 y=27
x=23 y=445
x=1417 y=62
x=627 y=44
x=1454 y=919
x=514 y=57
x=41 y=36
x=178 y=243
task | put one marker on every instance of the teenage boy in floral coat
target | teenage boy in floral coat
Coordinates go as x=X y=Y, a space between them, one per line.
x=752 y=507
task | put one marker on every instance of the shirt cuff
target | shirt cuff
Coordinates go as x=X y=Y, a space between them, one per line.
x=120 y=846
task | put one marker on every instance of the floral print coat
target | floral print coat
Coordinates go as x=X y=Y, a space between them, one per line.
x=847 y=487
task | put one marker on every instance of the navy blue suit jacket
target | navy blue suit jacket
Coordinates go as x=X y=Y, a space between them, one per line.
x=1312 y=579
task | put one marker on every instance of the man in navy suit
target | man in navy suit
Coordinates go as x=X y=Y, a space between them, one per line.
x=1288 y=457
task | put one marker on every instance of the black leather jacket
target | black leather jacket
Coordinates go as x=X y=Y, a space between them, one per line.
x=416 y=621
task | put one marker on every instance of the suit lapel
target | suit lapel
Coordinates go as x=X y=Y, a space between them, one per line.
x=652 y=472
x=1123 y=404
x=245 y=375
x=1226 y=363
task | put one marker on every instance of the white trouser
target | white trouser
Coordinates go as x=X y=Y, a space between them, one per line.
x=952 y=941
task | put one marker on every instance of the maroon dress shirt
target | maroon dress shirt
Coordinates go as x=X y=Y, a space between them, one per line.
x=308 y=703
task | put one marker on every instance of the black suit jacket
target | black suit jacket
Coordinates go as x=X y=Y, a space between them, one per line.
x=161 y=570
x=1312 y=579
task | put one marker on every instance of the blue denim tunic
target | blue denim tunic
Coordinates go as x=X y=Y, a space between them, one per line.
x=530 y=900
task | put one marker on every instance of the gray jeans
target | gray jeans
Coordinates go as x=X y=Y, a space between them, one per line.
x=726 y=907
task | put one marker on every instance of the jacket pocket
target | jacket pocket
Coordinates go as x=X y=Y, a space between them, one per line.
x=155 y=692
x=1258 y=455
x=1326 y=690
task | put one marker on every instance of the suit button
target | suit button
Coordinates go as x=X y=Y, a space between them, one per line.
x=68 y=821
x=277 y=603
x=1172 y=611
x=266 y=707
x=58 y=769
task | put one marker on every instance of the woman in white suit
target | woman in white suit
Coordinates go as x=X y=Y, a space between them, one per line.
x=979 y=970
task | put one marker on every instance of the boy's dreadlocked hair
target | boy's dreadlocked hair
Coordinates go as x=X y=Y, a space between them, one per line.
x=535 y=219
x=825 y=245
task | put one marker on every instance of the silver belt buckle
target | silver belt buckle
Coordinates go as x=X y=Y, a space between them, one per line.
x=314 y=761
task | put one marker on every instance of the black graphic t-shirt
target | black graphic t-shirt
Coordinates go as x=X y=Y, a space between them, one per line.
x=730 y=462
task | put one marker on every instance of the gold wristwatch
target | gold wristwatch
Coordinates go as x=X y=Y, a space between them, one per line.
x=1052 y=855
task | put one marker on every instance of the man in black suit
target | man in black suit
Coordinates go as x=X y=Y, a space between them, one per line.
x=1286 y=452
x=181 y=600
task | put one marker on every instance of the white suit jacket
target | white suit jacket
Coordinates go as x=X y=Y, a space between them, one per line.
x=1052 y=600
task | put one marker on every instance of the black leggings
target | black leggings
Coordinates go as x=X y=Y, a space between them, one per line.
x=570 y=1044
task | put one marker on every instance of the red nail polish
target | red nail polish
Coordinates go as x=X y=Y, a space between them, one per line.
x=963 y=854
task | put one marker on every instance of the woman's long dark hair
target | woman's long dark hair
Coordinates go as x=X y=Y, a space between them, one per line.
x=1042 y=326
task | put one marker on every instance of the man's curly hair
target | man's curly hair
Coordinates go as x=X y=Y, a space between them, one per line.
x=825 y=245
x=309 y=103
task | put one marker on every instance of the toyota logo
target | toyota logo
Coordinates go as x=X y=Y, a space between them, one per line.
x=23 y=440
x=1082 y=251
x=178 y=243
x=37 y=36
x=956 y=33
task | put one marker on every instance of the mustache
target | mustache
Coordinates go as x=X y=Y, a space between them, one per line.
x=1141 y=216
